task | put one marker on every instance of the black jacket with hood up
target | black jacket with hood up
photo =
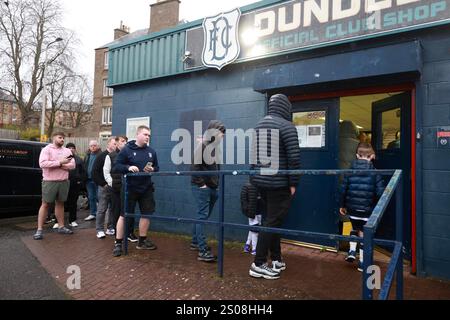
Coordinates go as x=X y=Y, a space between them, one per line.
x=279 y=118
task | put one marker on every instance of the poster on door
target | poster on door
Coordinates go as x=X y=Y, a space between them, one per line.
x=311 y=136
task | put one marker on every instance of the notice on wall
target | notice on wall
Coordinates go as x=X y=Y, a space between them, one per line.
x=311 y=136
x=134 y=123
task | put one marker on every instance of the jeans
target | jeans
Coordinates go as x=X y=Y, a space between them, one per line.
x=91 y=188
x=205 y=199
x=277 y=207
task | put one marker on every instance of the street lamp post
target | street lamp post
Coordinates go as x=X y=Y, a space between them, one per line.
x=44 y=91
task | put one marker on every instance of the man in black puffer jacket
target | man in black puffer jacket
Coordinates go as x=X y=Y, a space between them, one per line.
x=276 y=190
x=358 y=196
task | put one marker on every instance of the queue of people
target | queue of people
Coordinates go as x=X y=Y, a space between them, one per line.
x=265 y=199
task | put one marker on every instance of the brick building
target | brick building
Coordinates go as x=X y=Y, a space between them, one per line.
x=163 y=14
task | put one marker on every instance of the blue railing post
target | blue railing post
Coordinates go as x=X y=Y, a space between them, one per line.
x=125 y=208
x=221 y=221
x=367 y=261
x=399 y=236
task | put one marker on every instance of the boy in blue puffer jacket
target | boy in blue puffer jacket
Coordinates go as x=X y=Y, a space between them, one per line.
x=358 y=196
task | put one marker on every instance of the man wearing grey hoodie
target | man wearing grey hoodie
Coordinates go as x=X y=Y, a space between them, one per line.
x=204 y=188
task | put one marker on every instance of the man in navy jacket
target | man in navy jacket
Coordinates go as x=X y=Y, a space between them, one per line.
x=135 y=157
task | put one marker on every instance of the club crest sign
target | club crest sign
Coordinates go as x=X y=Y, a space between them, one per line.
x=221 y=44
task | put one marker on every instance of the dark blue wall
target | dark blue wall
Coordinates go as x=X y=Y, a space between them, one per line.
x=175 y=103
x=434 y=106
x=228 y=95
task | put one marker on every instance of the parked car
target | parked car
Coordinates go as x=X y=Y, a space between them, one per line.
x=20 y=190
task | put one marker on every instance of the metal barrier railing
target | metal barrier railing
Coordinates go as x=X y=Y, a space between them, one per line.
x=395 y=266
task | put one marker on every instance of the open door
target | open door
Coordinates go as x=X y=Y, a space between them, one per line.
x=314 y=207
x=391 y=139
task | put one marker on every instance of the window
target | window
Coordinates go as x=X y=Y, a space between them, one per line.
x=310 y=128
x=106 y=60
x=107 y=115
x=107 y=92
x=391 y=129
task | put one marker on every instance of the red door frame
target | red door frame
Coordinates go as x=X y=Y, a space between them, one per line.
x=374 y=90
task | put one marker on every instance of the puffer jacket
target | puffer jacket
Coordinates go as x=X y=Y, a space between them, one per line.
x=213 y=180
x=278 y=118
x=359 y=192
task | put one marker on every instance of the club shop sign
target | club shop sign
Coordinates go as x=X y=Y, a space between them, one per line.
x=302 y=24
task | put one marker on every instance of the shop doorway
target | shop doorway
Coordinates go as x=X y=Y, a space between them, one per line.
x=380 y=118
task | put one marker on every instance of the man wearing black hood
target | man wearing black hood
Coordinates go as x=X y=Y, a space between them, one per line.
x=204 y=188
x=276 y=190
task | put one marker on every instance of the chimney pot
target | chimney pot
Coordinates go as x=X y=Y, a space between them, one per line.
x=164 y=14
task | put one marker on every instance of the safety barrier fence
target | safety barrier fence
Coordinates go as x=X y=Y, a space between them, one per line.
x=395 y=266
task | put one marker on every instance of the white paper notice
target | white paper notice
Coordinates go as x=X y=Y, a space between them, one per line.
x=314 y=136
x=302 y=136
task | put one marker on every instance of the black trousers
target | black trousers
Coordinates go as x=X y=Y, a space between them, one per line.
x=117 y=210
x=72 y=198
x=277 y=206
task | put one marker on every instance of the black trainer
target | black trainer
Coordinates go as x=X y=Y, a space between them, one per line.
x=206 y=256
x=117 y=251
x=147 y=245
x=132 y=238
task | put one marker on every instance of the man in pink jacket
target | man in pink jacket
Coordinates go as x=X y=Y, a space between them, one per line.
x=55 y=161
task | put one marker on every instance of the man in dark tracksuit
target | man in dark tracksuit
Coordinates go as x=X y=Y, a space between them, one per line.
x=77 y=178
x=136 y=157
x=276 y=190
x=204 y=188
x=114 y=180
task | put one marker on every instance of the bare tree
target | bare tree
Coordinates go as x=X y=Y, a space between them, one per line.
x=58 y=82
x=81 y=102
x=29 y=30
x=70 y=94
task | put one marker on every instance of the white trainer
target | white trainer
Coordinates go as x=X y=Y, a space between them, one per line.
x=278 y=266
x=101 y=235
x=110 y=232
x=73 y=224
x=90 y=217
x=263 y=271
x=56 y=226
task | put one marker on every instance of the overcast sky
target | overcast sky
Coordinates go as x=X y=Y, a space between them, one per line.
x=94 y=20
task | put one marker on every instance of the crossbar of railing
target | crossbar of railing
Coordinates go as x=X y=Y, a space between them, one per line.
x=291 y=232
x=267 y=172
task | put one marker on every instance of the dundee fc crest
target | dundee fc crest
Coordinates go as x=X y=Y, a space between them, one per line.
x=221 y=45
